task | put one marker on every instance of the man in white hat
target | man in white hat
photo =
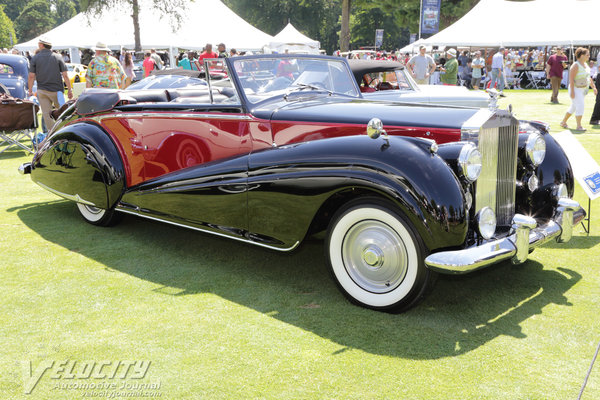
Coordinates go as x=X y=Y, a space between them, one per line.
x=104 y=70
x=450 y=69
x=50 y=71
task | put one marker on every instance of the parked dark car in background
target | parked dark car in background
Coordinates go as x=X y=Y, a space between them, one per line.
x=13 y=74
x=287 y=147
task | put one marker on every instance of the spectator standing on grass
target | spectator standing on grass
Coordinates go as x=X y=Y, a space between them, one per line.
x=48 y=69
x=421 y=66
x=104 y=70
x=449 y=74
x=478 y=65
x=554 y=72
x=149 y=64
x=128 y=68
x=498 y=71
x=207 y=53
x=462 y=59
x=158 y=63
x=222 y=50
x=579 y=82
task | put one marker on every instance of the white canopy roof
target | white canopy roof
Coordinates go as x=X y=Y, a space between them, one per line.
x=533 y=23
x=291 y=39
x=206 y=21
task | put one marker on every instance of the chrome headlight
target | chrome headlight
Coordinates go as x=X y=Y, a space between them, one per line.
x=486 y=222
x=469 y=161
x=535 y=148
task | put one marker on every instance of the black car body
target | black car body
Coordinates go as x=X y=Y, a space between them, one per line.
x=278 y=151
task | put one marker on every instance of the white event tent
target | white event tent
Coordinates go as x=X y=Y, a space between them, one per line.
x=294 y=41
x=202 y=22
x=531 y=23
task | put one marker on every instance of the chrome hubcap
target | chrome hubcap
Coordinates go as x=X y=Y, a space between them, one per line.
x=374 y=256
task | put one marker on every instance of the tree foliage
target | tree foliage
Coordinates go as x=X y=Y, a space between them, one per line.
x=7 y=30
x=398 y=18
x=35 y=19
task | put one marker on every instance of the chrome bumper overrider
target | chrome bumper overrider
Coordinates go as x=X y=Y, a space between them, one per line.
x=526 y=236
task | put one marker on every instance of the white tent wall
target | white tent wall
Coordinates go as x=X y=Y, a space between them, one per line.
x=518 y=24
x=291 y=39
x=202 y=22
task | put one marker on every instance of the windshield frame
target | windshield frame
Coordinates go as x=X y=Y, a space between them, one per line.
x=281 y=96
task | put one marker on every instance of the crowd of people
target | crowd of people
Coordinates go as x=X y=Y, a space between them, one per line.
x=475 y=70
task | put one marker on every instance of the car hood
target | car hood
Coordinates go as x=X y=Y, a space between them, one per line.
x=435 y=94
x=326 y=109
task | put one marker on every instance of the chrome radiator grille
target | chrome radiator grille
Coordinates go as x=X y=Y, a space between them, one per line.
x=495 y=187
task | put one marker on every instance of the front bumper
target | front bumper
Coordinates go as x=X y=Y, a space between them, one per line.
x=527 y=235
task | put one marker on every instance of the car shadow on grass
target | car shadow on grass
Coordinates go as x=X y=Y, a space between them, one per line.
x=460 y=315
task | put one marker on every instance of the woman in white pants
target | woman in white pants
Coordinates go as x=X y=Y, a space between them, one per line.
x=579 y=82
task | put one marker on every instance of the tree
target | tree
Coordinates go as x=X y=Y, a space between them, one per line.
x=317 y=19
x=64 y=10
x=7 y=30
x=35 y=19
x=345 y=32
x=172 y=8
x=12 y=8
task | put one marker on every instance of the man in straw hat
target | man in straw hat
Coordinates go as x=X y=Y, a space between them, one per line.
x=50 y=71
x=104 y=70
x=450 y=69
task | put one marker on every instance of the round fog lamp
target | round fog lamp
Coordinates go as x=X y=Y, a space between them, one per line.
x=535 y=148
x=486 y=222
x=469 y=161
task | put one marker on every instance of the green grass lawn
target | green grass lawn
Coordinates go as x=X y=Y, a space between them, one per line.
x=219 y=319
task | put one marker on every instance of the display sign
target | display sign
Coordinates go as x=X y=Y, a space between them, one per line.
x=378 y=37
x=430 y=16
x=585 y=168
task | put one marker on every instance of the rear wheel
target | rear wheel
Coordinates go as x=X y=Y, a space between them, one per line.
x=377 y=258
x=98 y=216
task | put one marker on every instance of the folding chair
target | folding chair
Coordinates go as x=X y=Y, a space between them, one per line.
x=13 y=136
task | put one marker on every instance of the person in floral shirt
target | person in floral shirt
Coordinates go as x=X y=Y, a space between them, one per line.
x=104 y=71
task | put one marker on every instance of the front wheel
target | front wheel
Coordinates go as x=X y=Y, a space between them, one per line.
x=377 y=258
x=98 y=216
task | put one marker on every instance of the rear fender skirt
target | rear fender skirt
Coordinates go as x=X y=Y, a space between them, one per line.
x=80 y=162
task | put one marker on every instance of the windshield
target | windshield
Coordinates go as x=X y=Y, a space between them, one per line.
x=262 y=78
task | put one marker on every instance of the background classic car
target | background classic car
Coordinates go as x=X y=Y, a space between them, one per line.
x=13 y=74
x=389 y=80
x=278 y=151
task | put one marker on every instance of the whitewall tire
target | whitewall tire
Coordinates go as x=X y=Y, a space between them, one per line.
x=98 y=216
x=376 y=257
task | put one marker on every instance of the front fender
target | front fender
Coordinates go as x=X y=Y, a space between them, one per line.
x=554 y=170
x=80 y=162
x=289 y=185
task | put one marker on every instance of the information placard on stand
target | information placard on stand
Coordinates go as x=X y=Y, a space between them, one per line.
x=585 y=168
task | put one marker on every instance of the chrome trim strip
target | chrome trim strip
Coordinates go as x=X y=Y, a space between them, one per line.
x=139 y=214
x=477 y=257
x=72 y=197
x=176 y=115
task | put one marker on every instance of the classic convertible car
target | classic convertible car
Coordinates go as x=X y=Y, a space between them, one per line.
x=287 y=147
x=388 y=80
